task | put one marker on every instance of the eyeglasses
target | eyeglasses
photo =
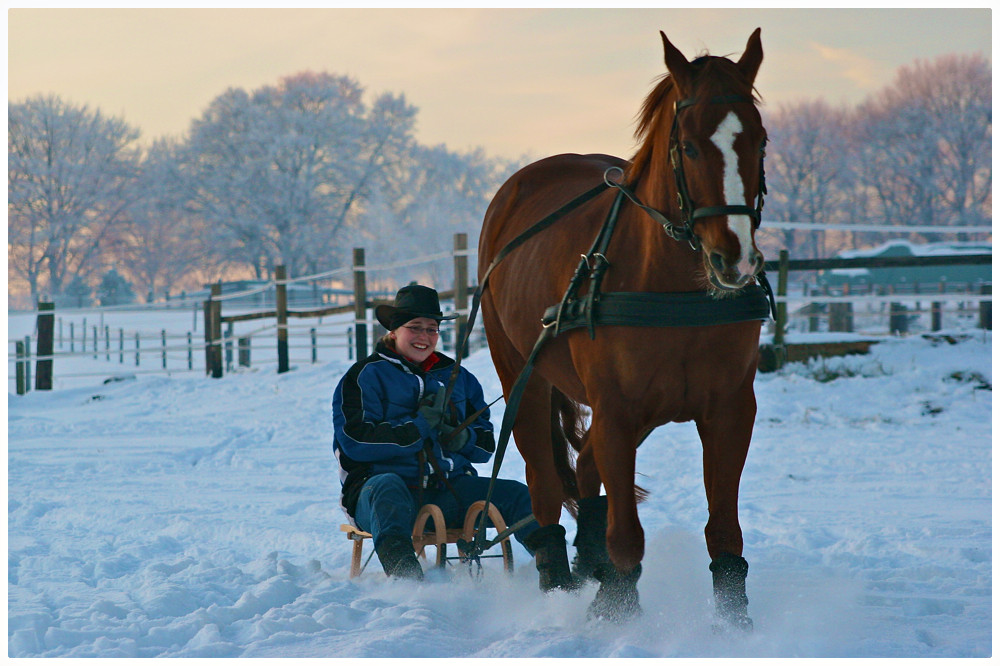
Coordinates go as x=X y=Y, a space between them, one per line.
x=417 y=330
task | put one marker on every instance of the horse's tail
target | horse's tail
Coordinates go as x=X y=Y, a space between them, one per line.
x=568 y=430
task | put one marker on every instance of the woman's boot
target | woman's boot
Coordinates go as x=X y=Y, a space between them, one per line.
x=395 y=552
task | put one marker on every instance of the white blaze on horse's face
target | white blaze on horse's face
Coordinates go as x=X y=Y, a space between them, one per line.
x=734 y=194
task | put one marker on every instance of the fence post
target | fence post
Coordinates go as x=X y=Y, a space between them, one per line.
x=360 y=304
x=45 y=346
x=19 y=365
x=72 y=339
x=312 y=336
x=281 y=304
x=841 y=314
x=163 y=347
x=190 y=351
x=137 y=349
x=207 y=308
x=60 y=333
x=986 y=308
x=782 y=322
x=461 y=293
x=243 y=352
x=216 y=331
x=936 y=309
x=27 y=362
x=121 y=345
x=107 y=343
x=229 y=346
x=898 y=323
x=350 y=345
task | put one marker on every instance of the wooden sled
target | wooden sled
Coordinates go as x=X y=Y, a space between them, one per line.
x=439 y=536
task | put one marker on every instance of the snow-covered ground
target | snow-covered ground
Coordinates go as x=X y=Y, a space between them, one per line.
x=188 y=517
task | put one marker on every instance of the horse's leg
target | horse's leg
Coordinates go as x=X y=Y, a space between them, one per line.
x=613 y=444
x=725 y=437
x=592 y=516
x=532 y=436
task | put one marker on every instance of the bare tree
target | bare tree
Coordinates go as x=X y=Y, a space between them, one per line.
x=161 y=242
x=807 y=169
x=68 y=175
x=927 y=143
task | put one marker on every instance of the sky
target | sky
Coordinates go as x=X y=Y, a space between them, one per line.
x=514 y=82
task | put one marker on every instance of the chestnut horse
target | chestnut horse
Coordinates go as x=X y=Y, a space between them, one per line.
x=635 y=378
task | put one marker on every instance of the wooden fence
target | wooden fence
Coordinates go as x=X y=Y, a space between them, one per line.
x=834 y=309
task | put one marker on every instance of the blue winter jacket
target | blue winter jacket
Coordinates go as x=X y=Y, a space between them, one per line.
x=377 y=428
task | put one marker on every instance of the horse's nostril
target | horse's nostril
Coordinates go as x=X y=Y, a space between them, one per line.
x=718 y=263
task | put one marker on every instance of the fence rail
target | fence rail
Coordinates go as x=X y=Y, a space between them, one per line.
x=353 y=328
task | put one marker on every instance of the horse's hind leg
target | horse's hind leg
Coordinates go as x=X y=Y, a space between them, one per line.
x=725 y=441
x=591 y=518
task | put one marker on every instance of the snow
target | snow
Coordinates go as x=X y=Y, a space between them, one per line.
x=918 y=249
x=181 y=516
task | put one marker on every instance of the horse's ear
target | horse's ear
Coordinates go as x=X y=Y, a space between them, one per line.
x=678 y=66
x=753 y=55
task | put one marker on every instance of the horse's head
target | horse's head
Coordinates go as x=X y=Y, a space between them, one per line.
x=704 y=138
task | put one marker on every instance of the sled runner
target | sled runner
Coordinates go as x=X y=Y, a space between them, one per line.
x=439 y=536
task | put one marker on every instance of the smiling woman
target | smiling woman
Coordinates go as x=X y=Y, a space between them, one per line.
x=404 y=440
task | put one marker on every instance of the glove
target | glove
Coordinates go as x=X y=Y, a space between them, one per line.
x=432 y=409
x=456 y=443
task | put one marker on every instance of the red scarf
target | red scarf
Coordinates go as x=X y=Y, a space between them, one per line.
x=429 y=362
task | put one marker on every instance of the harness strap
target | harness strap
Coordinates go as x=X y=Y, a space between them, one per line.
x=694 y=308
x=541 y=225
x=506 y=427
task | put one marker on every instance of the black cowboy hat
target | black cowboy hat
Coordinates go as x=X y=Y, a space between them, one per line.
x=412 y=301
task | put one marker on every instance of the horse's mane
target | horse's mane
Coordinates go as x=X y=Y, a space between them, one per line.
x=716 y=74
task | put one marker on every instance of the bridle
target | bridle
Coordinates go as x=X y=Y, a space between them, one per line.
x=690 y=212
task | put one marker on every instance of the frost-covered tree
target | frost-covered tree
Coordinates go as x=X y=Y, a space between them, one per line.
x=806 y=169
x=162 y=241
x=926 y=143
x=114 y=289
x=425 y=199
x=68 y=175
x=279 y=173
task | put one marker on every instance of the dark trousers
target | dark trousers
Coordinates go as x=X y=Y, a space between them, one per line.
x=387 y=506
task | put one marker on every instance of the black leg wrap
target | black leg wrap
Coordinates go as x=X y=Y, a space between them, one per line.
x=729 y=576
x=617 y=599
x=591 y=536
x=549 y=546
x=395 y=553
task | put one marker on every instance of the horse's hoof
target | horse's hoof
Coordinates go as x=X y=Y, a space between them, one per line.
x=729 y=574
x=617 y=599
x=737 y=625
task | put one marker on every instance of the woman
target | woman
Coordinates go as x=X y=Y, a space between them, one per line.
x=395 y=439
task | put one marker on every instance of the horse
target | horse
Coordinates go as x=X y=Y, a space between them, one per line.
x=699 y=166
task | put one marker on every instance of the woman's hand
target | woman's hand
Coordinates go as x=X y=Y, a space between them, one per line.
x=453 y=442
x=432 y=409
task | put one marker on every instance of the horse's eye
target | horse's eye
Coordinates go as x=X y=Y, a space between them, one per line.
x=689 y=149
